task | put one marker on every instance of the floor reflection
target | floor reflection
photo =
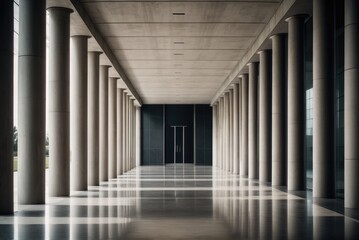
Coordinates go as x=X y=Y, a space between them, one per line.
x=178 y=202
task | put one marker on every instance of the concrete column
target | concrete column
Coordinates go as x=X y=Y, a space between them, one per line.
x=124 y=127
x=323 y=98
x=112 y=161
x=279 y=142
x=119 y=131
x=226 y=140
x=235 y=129
x=351 y=101
x=265 y=82
x=138 y=136
x=93 y=114
x=78 y=113
x=244 y=126
x=296 y=103
x=253 y=121
x=59 y=101
x=104 y=123
x=214 y=135
x=220 y=133
x=6 y=106
x=230 y=130
x=32 y=101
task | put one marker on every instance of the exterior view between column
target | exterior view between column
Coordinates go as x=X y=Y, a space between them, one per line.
x=59 y=101
x=93 y=118
x=104 y=123
x=78 y=113
x=31 y=102
x=7 y=107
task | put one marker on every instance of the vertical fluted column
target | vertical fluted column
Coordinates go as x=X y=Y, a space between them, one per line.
x=214 y=135
x=78 y=113
x=59 y=101
x=279 y=142
x=93 y=132
x=112 y=125
x=31 y=105
x=104 y=123
x=296 y=103
x=138 y=136
x=119 y=131
x=253 y=121
x=230 y=130
x=6 y=106
x=323 y=98
x=265 y=82
x=236 y=128
x=351 y=101
x=244 y=126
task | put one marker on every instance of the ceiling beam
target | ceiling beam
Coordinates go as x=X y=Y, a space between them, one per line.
x=105 y=47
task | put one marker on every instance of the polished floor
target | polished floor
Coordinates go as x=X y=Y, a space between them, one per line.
x=178 y=202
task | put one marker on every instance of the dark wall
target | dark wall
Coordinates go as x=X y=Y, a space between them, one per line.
x=152 y=135
x=157 y=134
x=203 y=124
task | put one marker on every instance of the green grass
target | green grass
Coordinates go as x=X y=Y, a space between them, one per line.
x=15 y=163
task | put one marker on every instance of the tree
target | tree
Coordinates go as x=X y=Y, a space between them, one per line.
x=15 y=141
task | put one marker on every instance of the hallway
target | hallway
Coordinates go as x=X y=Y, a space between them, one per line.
x=178 y=202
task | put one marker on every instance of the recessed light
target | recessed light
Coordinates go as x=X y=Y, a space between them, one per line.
x=178 y=42
x=178 y=54
x=178 y=14
x=178 y=65
x=177 y=72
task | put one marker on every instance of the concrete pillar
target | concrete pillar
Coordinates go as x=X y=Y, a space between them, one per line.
x=93 y=114
x=279 y=116
x=138 y=136
x=296 y=103
x=112 y=125
x=31 y=105
x=253 y=121
x=235 y=129
x=6 y=106
x=78 y=113
x=323 y=98
x=214 y=135
x=351 y=101
x=226 y=131
x=244 y=126
x=119 y=131
x=230 y=130
x=124 y=139
x=59 y=101
x=265 y=82
x=220 y=133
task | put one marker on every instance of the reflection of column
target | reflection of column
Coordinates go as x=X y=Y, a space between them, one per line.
x=296 y=220
x=93 y=214
x=253 y=215
x=279 y=218
x=235 y=129
x=119 y=131
x=77 y=212
x=59 y=105
x=244 y=126
x=351 y=105
x=78 y=113
x=230 y=130
x=296 y=103
x=265 y=214
x=252 y=121
x=6 y=106
x=112 y=162
x=31 y=105
x=323 y=99
x=278 y=111
x=93 y=118
x=104 y=123
x=265 y=116
x=112 y=212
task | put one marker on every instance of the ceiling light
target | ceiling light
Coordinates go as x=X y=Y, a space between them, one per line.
x=178 y=42
x=178 y=14
x=178 y=54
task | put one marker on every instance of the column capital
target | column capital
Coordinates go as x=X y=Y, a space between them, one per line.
x=297 y=17
x=62 y=9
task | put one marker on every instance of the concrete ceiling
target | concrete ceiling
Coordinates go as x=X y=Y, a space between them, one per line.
x=174 y=58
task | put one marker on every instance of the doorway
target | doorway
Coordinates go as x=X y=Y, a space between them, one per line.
x=179 y=143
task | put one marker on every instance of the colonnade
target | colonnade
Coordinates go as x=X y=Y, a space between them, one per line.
x=268 y=114
x=93 y=123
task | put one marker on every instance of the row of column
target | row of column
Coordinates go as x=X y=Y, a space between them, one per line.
x=260 y=132
x=92 y=122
